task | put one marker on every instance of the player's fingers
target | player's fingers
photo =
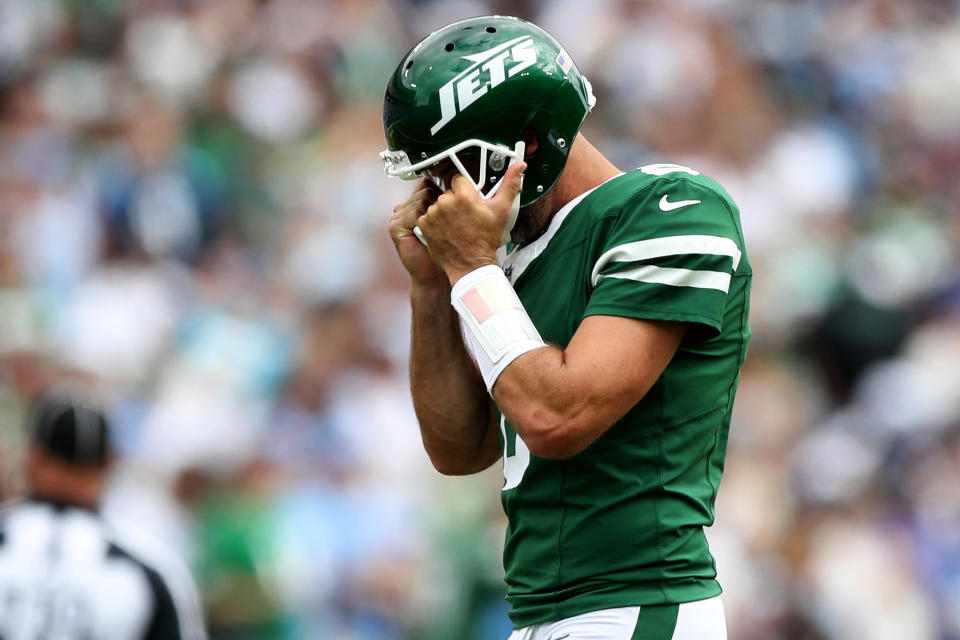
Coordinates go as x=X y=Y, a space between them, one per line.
x=427 y=217
x=425 y=191
x=405 y=219
x=512 y=182
x=462 y=187
x=415 y=206
x=426 y=186
x=446 y=202
x=398 y=229
x=426 y=196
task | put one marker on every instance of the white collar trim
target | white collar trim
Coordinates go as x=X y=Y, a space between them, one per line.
x=518 y=260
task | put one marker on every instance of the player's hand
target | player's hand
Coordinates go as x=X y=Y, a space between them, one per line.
x=413 y=255
x=463 y=231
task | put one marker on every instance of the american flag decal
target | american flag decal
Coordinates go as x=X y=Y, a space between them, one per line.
x=564 y=61
x=477 y=304
x=487 y=299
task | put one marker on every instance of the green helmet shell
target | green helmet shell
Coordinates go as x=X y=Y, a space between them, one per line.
x=489 y=78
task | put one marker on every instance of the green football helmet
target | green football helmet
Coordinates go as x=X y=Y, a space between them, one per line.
x=470 y=90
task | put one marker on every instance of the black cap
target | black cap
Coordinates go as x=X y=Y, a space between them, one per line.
x=71 y=429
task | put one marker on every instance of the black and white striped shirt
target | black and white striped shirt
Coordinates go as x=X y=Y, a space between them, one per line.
x=66 y=575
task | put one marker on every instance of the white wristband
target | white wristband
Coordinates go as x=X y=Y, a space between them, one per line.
x=495 y=325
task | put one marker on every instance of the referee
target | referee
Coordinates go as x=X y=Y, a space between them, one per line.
x=66 y=574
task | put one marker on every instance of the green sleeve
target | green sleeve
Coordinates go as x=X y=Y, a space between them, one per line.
x=661 y=261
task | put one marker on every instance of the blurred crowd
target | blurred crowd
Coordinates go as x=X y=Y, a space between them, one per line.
x=193 y=221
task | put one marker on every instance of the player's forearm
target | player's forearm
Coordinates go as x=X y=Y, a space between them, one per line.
x=448 y=394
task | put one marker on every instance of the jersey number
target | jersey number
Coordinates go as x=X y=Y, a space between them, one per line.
x=515 y=465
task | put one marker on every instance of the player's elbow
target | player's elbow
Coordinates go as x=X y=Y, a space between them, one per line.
x=454 y=467
x=553 y=435
x=553 y=448
x=458 y=461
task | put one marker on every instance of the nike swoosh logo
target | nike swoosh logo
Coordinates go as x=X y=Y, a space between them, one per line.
x=670 y=206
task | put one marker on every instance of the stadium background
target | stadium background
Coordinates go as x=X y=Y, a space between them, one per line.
x=193 y=218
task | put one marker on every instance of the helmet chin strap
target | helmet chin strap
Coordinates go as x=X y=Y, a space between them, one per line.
x=518 y=150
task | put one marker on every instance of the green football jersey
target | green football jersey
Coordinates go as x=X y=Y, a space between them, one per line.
x=621 y=523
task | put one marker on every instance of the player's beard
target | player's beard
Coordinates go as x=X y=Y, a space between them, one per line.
x=532 y=221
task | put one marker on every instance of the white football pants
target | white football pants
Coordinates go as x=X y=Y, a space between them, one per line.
x=699 y=620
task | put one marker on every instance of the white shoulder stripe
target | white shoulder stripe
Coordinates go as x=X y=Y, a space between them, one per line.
x=518 y=261
x=668 y=246
x=675 y=277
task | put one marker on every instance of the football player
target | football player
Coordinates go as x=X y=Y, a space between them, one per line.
x=587 y=325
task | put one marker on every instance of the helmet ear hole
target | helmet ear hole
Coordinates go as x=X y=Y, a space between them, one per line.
x=491 y=29
x=448 y=47
x=531 y=143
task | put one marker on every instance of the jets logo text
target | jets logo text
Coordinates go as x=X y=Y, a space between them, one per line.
x=488 y=71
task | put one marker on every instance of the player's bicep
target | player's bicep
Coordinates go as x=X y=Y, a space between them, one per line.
x=615 y=360
x=559 y=402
